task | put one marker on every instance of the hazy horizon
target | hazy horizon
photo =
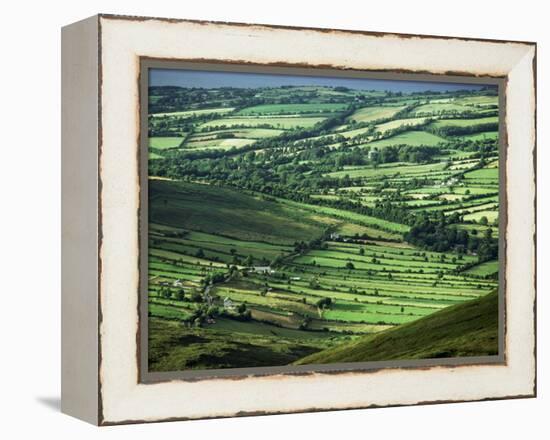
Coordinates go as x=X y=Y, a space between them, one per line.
x=210 y=80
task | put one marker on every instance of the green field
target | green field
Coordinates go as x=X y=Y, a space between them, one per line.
x=465 y=122
x=162 y=143
x=484 y=173
x=368 y=114
x=244 y=133
x=479 y=100
x=488 y=268
x=407 y=122
x=274 y=109
x=488 y=135
x=190 y=113
x=272 y=122
x=436 y=108
x=218 y=143
x=413 y=138
x=317 y=224
x=387 y=171
x=154 y=156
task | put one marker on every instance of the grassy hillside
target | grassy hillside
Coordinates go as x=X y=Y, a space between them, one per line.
x=215 y=210
x=467 y=329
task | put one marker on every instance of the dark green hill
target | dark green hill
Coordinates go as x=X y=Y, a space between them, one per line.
x=467 y=329
x=228 y=212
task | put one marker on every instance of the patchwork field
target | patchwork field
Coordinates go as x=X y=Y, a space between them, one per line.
x=412 y=138
x=165 y=142
x=269 y=122
x=274 y=109
x=369 y=114
x=298 y=224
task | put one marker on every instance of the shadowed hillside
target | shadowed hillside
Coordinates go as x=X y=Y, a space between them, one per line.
x=467 y=329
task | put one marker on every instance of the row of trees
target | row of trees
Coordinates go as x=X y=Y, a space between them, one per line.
x=456 y=130
x=440 y=236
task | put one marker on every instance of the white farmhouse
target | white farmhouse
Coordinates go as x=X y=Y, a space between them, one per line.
x=228 y=304
x=263 y=269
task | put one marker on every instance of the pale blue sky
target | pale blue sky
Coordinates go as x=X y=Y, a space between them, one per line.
x=211 y=79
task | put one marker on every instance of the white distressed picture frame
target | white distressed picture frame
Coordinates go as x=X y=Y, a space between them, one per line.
x=101 y=203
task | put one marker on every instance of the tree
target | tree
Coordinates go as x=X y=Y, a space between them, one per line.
x=483 y=221
x=488 y=247
x=277 y=261
x=199 y=253
x=179 y=295
x=361 y=251
x=314 y=283
x=249 y=261
x=349 y=265
x=324 y=303
x=196 y=297
x=213 y=311
x=304 y=324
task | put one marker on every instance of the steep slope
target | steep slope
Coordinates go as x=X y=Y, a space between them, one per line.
x=467 y=329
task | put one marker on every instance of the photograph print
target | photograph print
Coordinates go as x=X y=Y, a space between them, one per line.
x=299 y=220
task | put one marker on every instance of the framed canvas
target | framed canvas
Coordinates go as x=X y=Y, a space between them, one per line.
x=262 y=219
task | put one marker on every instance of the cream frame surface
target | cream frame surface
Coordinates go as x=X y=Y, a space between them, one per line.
x=101 y=66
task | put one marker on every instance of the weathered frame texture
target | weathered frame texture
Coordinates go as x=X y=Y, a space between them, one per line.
x=102 y=384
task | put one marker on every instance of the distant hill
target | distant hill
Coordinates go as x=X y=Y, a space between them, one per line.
x=467 y=329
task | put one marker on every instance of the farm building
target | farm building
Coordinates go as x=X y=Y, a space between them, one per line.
x=263 y=269
x=372 y=154
x=452 y=181
x=228 y=304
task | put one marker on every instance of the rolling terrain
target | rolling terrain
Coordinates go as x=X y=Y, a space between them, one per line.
x=290 y=224
x=467 y=329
